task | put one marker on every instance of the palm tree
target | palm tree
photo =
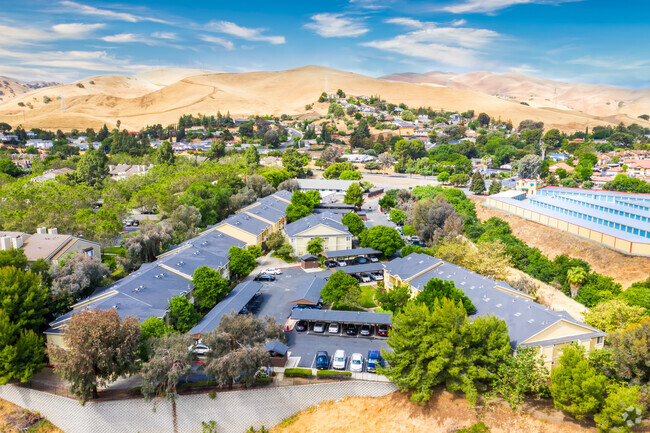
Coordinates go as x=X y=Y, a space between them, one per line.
x=576 y=276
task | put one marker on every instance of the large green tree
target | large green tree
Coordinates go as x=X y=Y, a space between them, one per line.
x=182 y=314
x=623 y=409
x=315 y=246
x=241 y=262
x=341 y=288
x=165 y=153
x=394 y=299
x=99 y=348
x=211 y=200
x=436 y=289
x=440 y=346
x=524 y=373
x=478 y=184
x=209 y=287
x=576 y=386
x=354 y=195
x=354 y=223
x=93 y=167
x=382 y=238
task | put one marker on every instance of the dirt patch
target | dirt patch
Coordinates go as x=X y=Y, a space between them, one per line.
x=446 y=412
x=16 y=419
x=553 y=242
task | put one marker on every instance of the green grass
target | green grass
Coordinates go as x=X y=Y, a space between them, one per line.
x=298 y=372
x=381 y=310
x=285 y=259
x=120 y=251
x=346 y=308
x=367 y=298
x=321 y=373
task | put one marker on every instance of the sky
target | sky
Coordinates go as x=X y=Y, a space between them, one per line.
x=591 y=41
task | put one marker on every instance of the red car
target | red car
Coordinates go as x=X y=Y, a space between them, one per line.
x=382 y=331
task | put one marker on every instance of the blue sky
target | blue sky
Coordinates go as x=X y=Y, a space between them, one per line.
x=593 y=41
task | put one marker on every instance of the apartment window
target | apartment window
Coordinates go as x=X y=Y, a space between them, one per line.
x=89 y=252
x=600 y=340
x=347 y=239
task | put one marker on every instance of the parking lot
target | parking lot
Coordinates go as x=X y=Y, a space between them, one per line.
x=275 y=302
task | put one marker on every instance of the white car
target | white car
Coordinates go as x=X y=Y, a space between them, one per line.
x=374 y=259
x=319 y=327
x=365 y=278
x=272 y=271
x=338 y=362
x=342 y=263
x=333 y=328
x=199 y=348
x=378 y=276
x=356 y=362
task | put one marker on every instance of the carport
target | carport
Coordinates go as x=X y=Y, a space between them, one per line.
x=334 y=316
x=354 y=252
x=309 y=295
x=359 y=269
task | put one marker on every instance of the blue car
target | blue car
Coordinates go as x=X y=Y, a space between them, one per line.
x=265 y=277
x=374 y=361
x=322 y=360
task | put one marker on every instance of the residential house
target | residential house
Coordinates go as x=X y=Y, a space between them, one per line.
x=639 y=168
x=39 y=144
x=48 y=244
x=560 y=165
x=326 y=225
x=529 y=323
x=51 y=174
x=124 y=171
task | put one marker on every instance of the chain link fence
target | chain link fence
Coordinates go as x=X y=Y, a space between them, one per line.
x=233 y=411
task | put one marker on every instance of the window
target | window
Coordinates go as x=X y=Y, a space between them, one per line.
x=90 y=252
x=600 y=340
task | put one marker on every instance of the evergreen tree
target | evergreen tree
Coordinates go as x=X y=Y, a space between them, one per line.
x=478 y=184
x=436 y=289
x=209 y=287
x=354 y=195
x=495 y=187
x=165 y=154
x=93 y=167
x=252 y=157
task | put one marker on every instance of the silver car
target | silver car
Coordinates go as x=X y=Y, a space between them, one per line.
x=356 y=363
x=319 y=328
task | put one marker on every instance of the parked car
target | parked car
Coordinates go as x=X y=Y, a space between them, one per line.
x=365 y=278
x=301 y=326
x=377 y=276
x=199 y=348
x=333 y=328
x=319 y=327
x=374 y=259
x=272 y=271
x=351 y=329
x=356 y=362
x=322 y=360
x=374 y=361
x=365 y=329
x=360 y=260
x=330 y=263
x=338 y=362
x=342 y=263
x=265 y=277
x=382 y=331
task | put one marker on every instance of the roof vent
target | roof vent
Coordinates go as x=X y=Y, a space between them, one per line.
x=204 y=243
x=517 y=314
x=499 y=305
x=531 y=320
x=116 y=306
x=486 y=299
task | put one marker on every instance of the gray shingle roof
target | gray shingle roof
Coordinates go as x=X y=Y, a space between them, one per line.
x=235 y=301
x=246 y=223
x=190 y=259
x=266 y=212
x=328 y=219
x=277 y=347
x=310 y=293
x=358 y=317
x=355 y=269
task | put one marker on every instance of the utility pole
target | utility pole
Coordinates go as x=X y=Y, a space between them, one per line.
x=62 y=101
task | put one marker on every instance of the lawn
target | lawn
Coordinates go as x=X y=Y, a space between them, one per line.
x=367 y=298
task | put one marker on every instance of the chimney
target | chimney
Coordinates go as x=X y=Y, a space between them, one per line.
x=41 y=230
x=5 y=243
x=53 y=231
x=17 y=242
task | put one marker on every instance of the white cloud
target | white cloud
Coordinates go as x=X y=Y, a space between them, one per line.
x=85 y=60
x=490 y=6
x=106 y=13
x=219 y=41
x=127 y=38
x=458 y=23
x=372 y=4
x=406 y=22
x=336 y=26
x=247 y=33
x=609 y=63
x=170 y=36
x=75 y=30
x=455 y=46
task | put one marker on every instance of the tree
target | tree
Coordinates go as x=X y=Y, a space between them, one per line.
x=185 y=221
x=209 y=287
x=354 y=195
x=170 y=362
x=334 y=171
x=521 y=374
x=5 y=127
x=315 y=246
x=397 y=216
x=23 y=312
x=350 y=175
x=408 y=230
x=576 y=386
x=623 y=409
x=387 y=202
x=552 y=138
x=294 y=162
x=99 y=349
x=252 y=156
x=576 y=276
x=495 y=187
x=77 y=275
x=255 y=250
x=436 y=289
x=241 y=261
x=440 y=346
x=630 y=353
x=386 y=160
x=93 y=167
x=260 y=185
x=443 y=177
x=529 y=167
x=483 y=119
x=478 y=184
x=213 y=201
x=459 y=179
x=238 y=347
x=382 y=238
x=144 y=245
x=8 y=167
x=13 y=257
x=275 y=240
x=395 y=299
x=354 y=223
x=296 y=211
x=290 y=185
x=165 y=154
x=341 y=288
x=613 y=315
x=271 y=138
x=151 y=328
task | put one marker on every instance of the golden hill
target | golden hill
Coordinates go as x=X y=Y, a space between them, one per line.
x=597 y=100
x=10 y=88
x=161 y=97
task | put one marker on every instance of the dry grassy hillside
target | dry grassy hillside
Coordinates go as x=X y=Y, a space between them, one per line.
x=137 y=101
x=596 y=100
x=10 y=88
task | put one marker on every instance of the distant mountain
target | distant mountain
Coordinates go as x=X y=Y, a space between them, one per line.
x=10 y=87
x=162 y=96
x=596 y=100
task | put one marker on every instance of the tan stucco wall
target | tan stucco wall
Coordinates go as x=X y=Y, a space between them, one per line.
x=237 y=233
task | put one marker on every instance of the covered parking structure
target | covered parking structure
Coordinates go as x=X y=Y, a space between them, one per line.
x=309 y=295
x=354 y=252
x=335 y=316
x=237 y=299
x=360 y=269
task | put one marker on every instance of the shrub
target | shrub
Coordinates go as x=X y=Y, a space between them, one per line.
x=298 y=372
x=333 y=373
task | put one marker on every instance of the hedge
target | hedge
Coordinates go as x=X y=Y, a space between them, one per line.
x=322 y=373
x=298 y=372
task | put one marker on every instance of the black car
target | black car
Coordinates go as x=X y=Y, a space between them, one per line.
x=265 y=277
x=351 y=329
x=301 y=326
x=360 y=260
x=322 y=360
x=330 y=263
